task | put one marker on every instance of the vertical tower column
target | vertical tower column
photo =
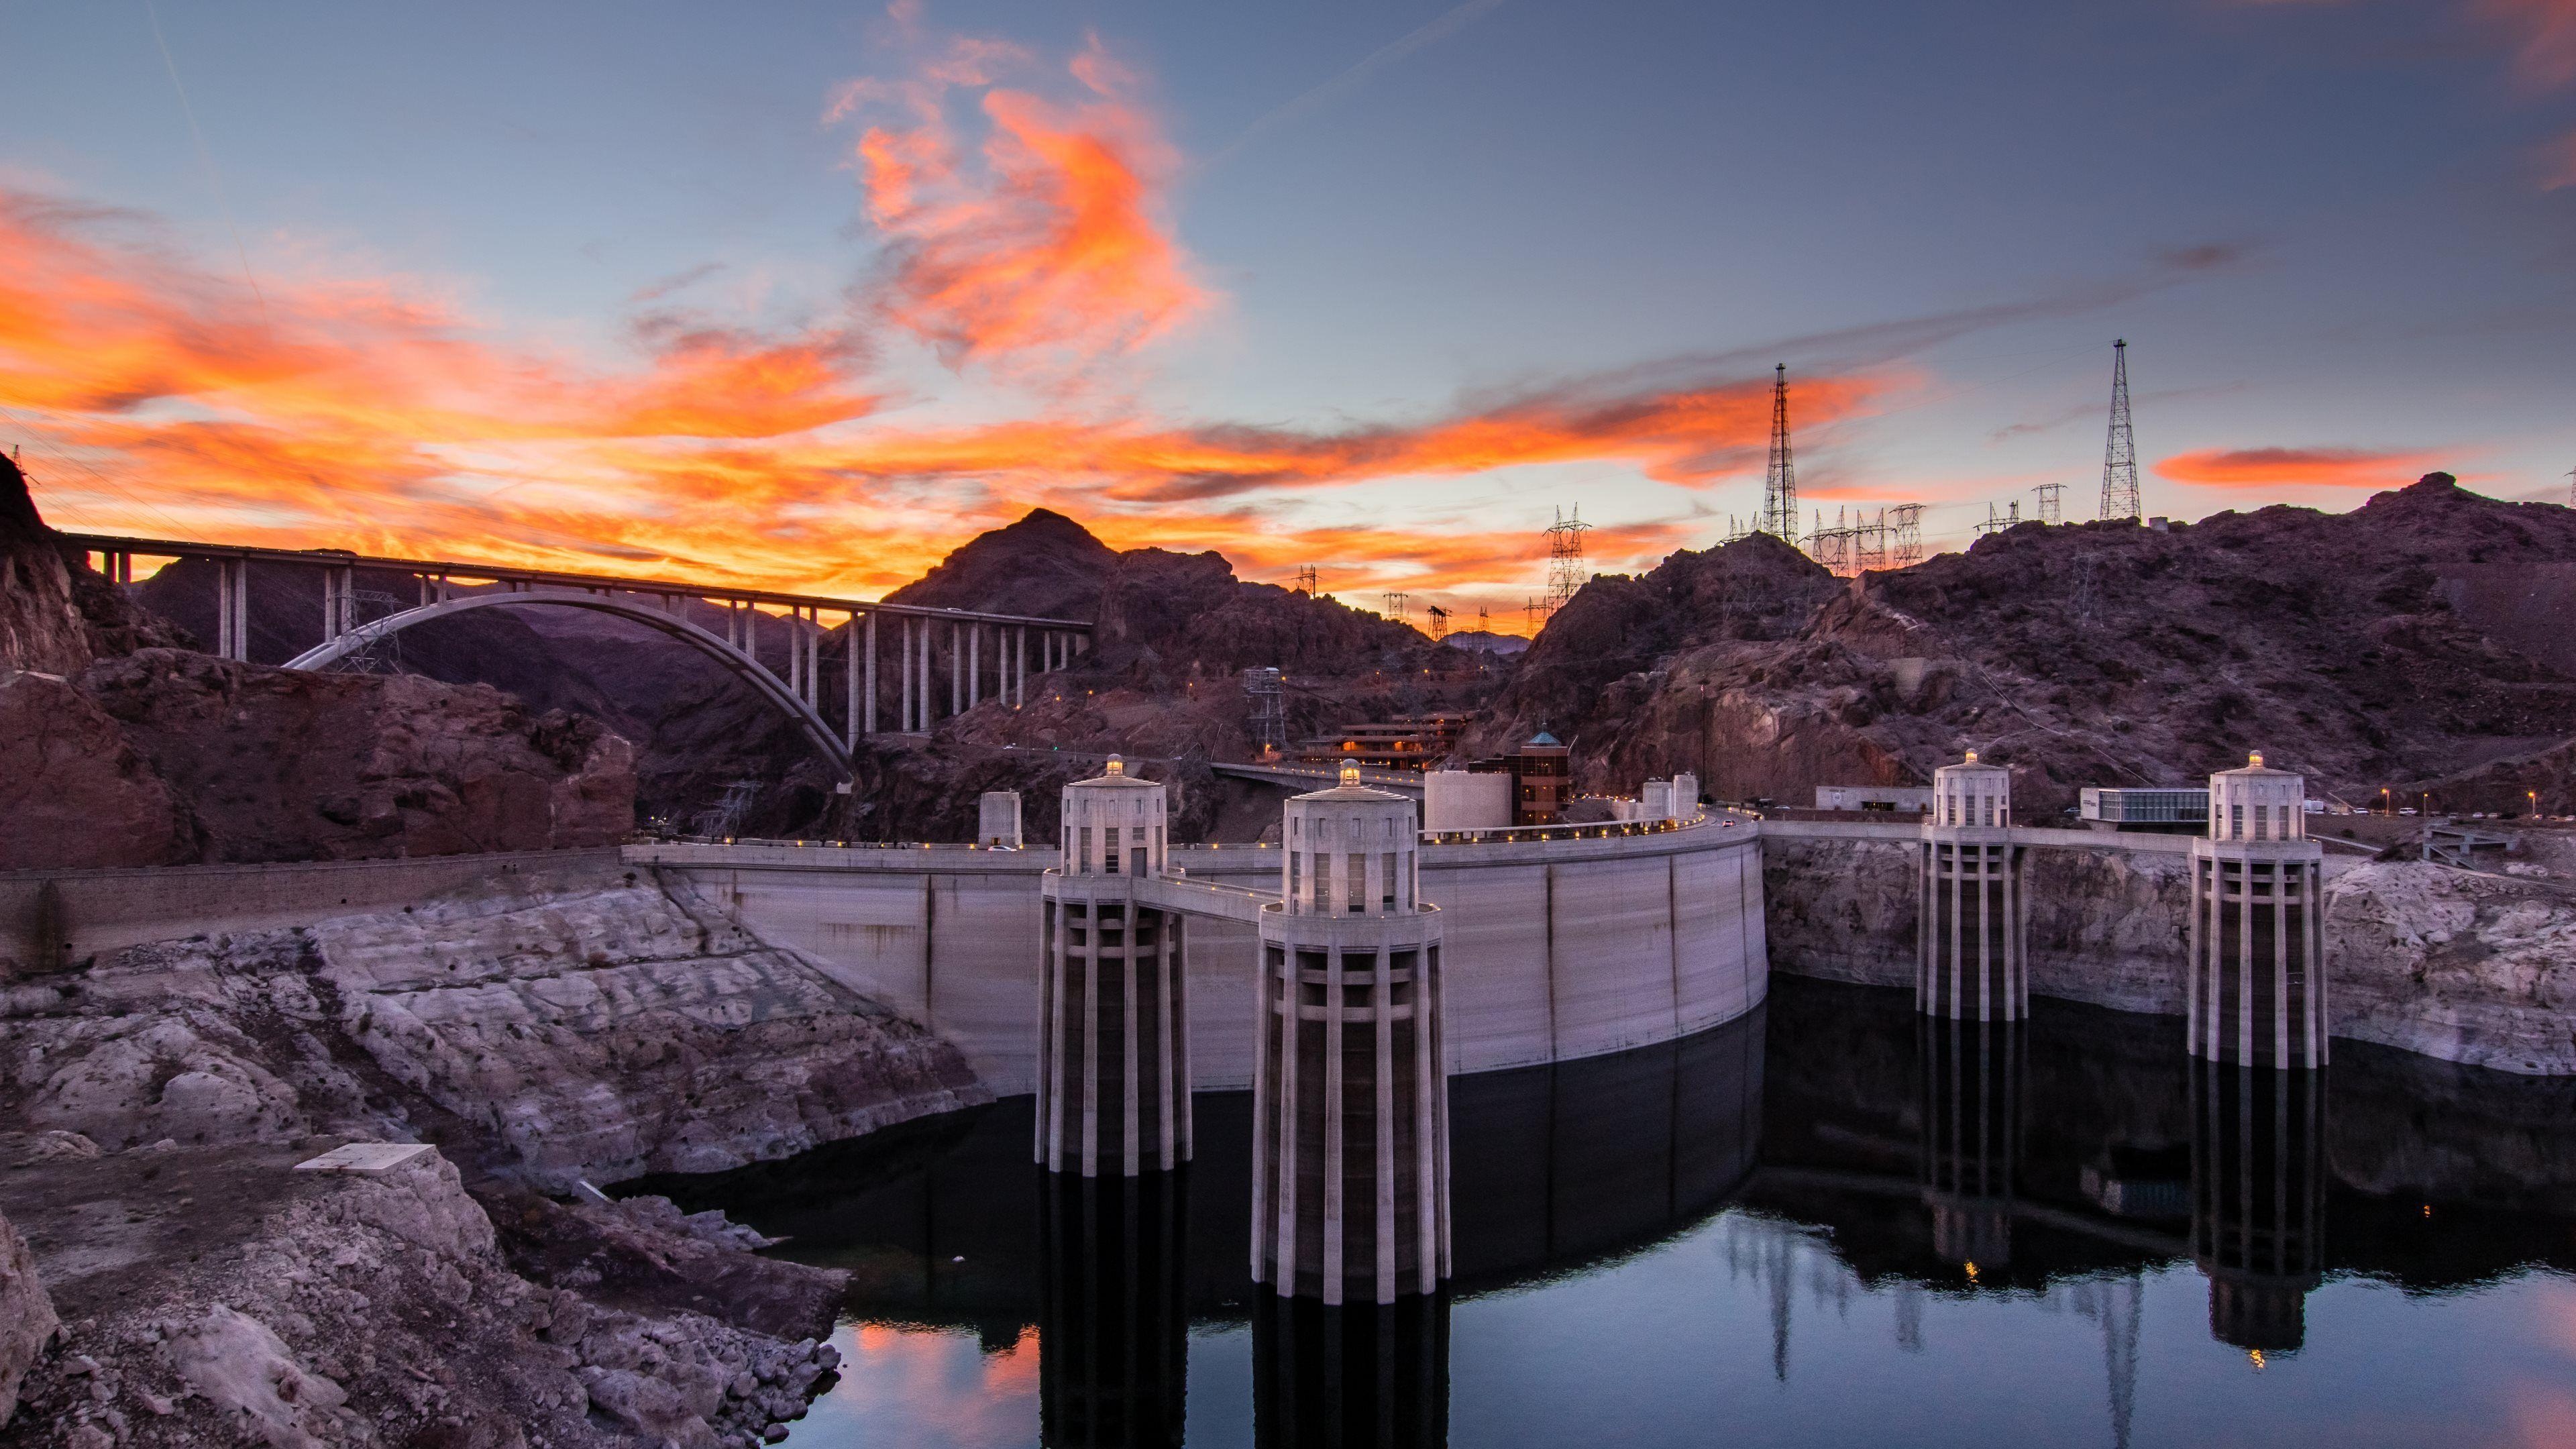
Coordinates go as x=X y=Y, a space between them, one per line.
x=2258 y=1199
x=1969 y=933
x=1350 y=1186
x=1971 y=1137
x=2256 y=991
x=1113 y=1004
x=923 y=722
x=974 y=665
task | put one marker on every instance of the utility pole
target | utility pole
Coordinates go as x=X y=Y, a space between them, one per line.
x=2050 y=509
x=1780 y=480
x=2120 y=452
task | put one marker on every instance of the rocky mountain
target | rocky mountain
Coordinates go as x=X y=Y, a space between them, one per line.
x=1046 y=566
x=2386 y=647
x=121 y=746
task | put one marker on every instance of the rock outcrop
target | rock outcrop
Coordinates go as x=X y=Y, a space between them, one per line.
x=2462 y=965
x=583 y=1028
x=2345 y=645
x=215 y=1295
x=27 y=1320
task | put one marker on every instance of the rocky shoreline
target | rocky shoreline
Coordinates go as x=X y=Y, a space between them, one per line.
x=544 y=1032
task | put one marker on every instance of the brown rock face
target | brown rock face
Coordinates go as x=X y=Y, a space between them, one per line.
x=286 y=765
x=26 y=1317
x=75 y=791
x=2362 y=649
x=1046 y=565
x=56 y=614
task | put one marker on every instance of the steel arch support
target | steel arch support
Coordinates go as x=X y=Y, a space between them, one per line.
x=820 y=735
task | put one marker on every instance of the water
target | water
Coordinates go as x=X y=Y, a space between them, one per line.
x=1828 y=1224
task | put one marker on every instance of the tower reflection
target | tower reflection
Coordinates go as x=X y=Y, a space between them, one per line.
x=1113 y=1310
x=2258 y=1199
x=1972 y=1093
x=1362 y=1375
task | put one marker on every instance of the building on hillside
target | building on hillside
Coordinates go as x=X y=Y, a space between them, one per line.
x=2158 y=810
x=1542 y=773
x=1892 y=799
x=997 y=820
x=1406 y=742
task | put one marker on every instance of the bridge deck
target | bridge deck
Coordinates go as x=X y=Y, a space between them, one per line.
x=541 y=578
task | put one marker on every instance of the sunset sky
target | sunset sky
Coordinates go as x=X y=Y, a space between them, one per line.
x=805 y=295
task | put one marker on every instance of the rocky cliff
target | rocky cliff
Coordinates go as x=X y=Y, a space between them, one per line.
x=2462 y=965
x=27 y=1320
x=2084 y=654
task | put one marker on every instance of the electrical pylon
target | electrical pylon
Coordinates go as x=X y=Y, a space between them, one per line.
x=1565 y=575
x=2120 y=453
x=1780 y=480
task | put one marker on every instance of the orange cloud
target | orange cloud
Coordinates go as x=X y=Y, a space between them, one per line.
x=368 y=413
x=1051 y=249
x=2294 y=467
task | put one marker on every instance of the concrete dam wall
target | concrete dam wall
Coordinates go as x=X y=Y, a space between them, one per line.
x=1555 y=950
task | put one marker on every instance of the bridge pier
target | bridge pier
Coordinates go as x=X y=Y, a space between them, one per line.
x=1113 y=1048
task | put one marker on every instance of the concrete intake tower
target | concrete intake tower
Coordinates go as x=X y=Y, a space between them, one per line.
x=2256 y=987
x=1972 y=966
x=1350 y=1156
x=1113 y=1014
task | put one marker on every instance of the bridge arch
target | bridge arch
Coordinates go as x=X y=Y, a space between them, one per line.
x=817 y=733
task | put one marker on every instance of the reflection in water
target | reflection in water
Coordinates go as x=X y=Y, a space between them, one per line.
x=1971 y=1137
x=1641 y=1237
x=1113 y=1310
x=2258 y=1199
x=1365 y=1374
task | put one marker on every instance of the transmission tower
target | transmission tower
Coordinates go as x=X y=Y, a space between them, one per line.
x=1306 y=580
x=2120 y=454
x=1484 y=622
x=1780 y=481
x=1536 y=613
x=1266 y=719
x=1395 y=607
x=1905 y=530
x=1565 y=558
x=1998 y=522
x=2051 y=510
x=1439 y=623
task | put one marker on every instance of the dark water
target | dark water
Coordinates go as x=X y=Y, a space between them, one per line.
x=1829 y=1224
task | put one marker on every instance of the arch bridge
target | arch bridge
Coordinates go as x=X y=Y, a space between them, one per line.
x=895 y=669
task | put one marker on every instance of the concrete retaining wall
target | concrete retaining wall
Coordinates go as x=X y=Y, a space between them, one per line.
x=93 y=912
x=1554 y=950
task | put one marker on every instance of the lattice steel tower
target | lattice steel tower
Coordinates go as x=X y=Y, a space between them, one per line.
x=1565 y=572
x=2120 y=454
x=1780 y=482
